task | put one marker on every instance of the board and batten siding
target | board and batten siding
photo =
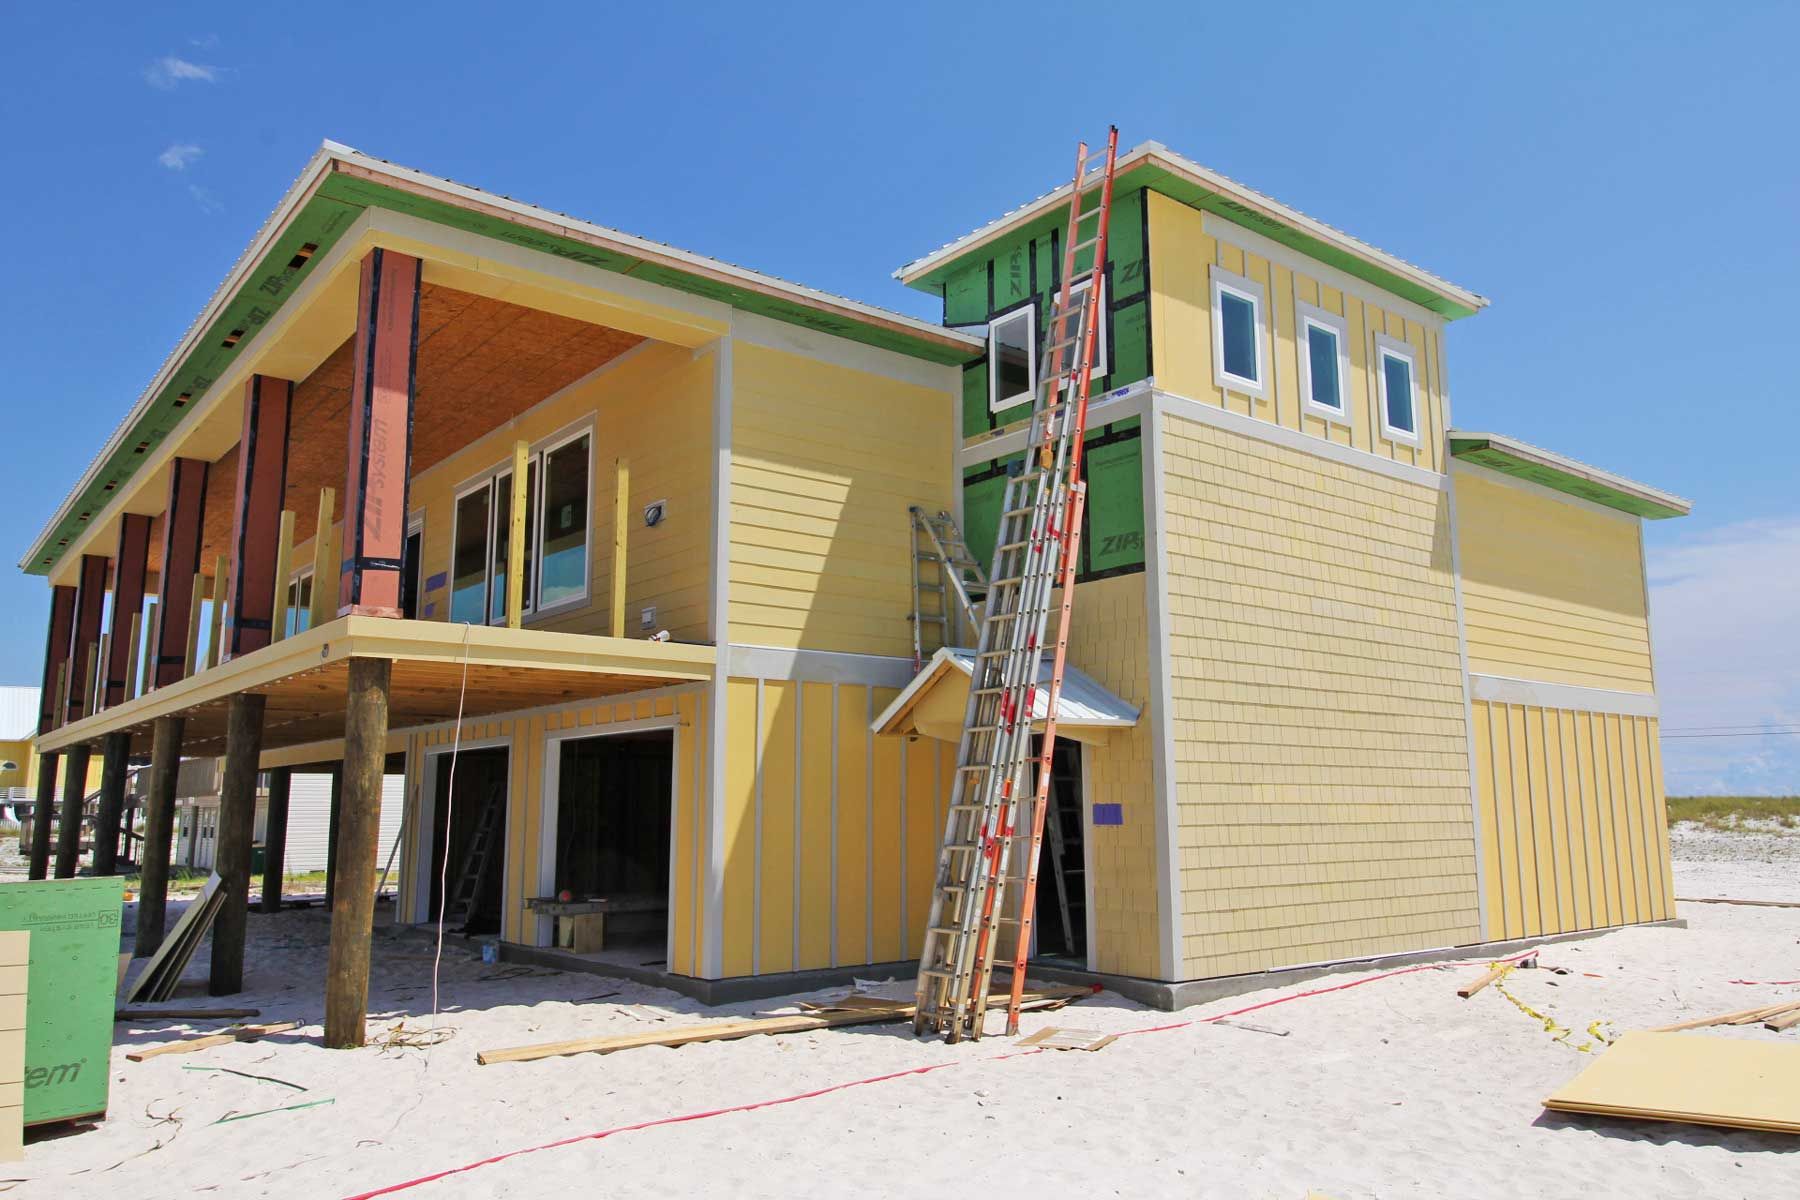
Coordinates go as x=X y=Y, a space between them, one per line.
x=825 y=460
x=1185 y=246
x=1322 y=767
x=1553 y=589
x=831 y=831
x=1575 y=831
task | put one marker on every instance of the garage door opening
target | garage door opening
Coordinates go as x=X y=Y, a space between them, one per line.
x=614 y=806
x=475 y=851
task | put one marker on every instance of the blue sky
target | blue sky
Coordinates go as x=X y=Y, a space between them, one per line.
x=1622 y=180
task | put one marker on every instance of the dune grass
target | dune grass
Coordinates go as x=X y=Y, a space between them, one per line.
x=1734 y=812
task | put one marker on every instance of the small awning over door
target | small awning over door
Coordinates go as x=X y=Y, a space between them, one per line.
x=934 y=702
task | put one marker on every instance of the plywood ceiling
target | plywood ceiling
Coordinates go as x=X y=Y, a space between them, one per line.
x=482 y=362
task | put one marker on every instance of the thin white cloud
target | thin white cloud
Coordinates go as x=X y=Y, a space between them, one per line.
x=205 y=41
x=178 y=156
x=170 y=71
x=208 y=202
x=1728 y=657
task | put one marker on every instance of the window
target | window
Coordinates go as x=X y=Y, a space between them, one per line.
x=299 y=603
x=1324 y=362
x=1012 y=358
x=557 y=503
x=411 y=559
x=1101 y=363
x=1399 y=407
x=1238 y=310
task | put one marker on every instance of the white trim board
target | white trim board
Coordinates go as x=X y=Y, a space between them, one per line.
x=748 y=661
x=711 y=956
x=1293 y=439
x=753 y=329
x=1469 y=739
x=1170 y=912
x=1132 y=400
x=1501 y=689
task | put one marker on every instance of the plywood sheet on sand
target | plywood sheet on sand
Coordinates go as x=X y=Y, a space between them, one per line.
x=1737 y=1083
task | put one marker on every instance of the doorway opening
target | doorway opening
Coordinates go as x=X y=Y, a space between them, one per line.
x=1060 y=915
x=476 y=847
x=614 y=809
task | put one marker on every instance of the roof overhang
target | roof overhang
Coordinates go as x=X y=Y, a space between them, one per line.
x=933 y=704
x=1521 y=460
x=1154 y=166
x=339 y=185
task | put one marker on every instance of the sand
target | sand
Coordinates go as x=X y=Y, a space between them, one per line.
x=1394 y=1088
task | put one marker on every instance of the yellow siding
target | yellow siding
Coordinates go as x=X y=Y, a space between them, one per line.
x=1319 y=723
x=1553 y=591
x=739 y=802
x=1577 y=839
x=1109 y=639
x=886 y=912
x=652 y=408
x=1182 y=255
x=825 y=461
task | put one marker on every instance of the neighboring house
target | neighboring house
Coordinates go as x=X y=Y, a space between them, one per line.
x=18 y=756
x=1353 y=682
x=308 y=845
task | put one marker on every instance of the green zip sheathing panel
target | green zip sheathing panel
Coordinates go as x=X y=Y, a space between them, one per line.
x=1494 y=458
x=1026 y=269
x=74 y=927
x=949 y=277
x=339 y=200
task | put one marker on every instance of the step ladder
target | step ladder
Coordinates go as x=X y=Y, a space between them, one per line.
x=993 y=802
x=943 y=567
x=478 y=860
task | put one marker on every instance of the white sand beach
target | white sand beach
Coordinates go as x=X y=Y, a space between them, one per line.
x=1391 y=1088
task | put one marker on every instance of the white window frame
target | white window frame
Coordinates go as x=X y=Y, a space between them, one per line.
x=1386 y=348
x=488 y=479
x=295 y=578
x=1312 y=316
x=1102 y=351
x=1248 y=290
x=1028 y=311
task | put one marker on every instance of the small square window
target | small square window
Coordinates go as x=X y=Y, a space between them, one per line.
x=1012 y=359
x=1238 y=310
x=1324 y=362
x=1399 y=401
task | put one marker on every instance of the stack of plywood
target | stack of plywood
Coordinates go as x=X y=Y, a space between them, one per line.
x=1733 y=1082
x=15 y=957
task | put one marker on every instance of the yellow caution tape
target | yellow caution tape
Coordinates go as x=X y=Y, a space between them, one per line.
x=1599 y=1031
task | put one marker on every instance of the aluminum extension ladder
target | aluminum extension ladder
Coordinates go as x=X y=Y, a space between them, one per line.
x=942 y=566
x=1037 y=546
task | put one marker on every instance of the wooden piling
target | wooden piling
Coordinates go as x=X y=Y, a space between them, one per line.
x=359 y=836
x=159 y=821
x=237 y=828
x=275 y=835
x=68 y=827
x=39 y=865
x=115 y=750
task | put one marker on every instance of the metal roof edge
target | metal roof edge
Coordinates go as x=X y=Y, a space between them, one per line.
x=1473 y=442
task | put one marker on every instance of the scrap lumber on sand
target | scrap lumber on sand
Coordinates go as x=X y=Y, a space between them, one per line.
x=237 y=1033
x=858 y=1011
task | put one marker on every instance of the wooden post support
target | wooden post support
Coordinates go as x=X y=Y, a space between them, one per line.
x=621 y=525
x=39 y=866
x=62 y=692
x=284 y=557
x=56 y=655
x=334 y=806
x=97 y=694
x=68 y=826
x=215 y=636
x=136 y=634
x=90 y=600
x=190 y=658
x=184 y=533
x=275 y=836
x=159 y=822
x=359 y=838
x=131 y=566
x=256 y=513
x=115 y=752
x=515 y=537
x=237 y=830
x=379 y=462
x=324 y=597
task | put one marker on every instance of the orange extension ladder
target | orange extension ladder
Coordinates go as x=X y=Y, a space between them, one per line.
x=1036 y=550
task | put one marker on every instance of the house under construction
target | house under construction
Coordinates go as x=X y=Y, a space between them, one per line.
x=667 y=557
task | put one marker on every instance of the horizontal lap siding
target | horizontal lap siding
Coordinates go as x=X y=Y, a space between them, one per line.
x=1573 y=818
x=1320 y=736
x=1553 y=591
x=825 y=462
x=1182 y=256
x=1109 y=640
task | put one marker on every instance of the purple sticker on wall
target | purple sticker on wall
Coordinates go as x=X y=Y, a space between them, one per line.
x=1109 y=814
x=430 y=611
x=437 y=581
